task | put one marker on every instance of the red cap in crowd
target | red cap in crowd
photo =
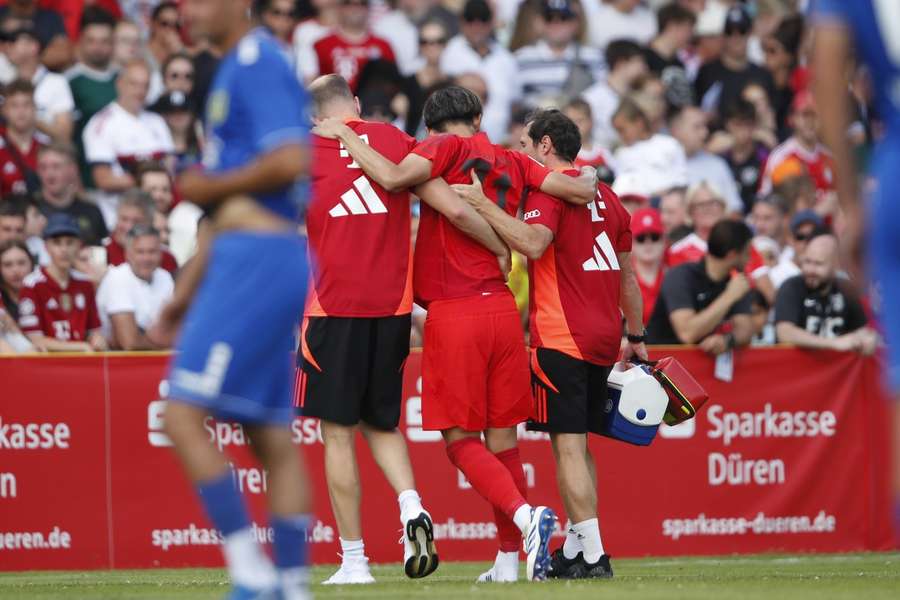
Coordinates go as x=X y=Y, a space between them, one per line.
x=646 y=220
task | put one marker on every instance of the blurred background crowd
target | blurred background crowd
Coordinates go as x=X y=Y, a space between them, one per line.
x=696 y=112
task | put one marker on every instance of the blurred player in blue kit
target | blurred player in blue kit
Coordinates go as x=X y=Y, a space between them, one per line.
x=245 y=292
x=870 y=30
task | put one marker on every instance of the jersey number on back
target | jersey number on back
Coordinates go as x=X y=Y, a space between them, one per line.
x=345 y=154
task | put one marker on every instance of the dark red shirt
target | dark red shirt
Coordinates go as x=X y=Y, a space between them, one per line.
x=359 y=233
x=448 y=263
x=574 y=296
x=347 y=59
x=14 y=163
x=67 y=314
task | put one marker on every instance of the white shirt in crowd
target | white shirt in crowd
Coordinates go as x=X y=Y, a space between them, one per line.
x=183 y=221
x=713 y=169
x=498 y=69
x=52 y=95
x=604 y=102
x=121 y=291
x=543 y=73
x=606 y=24
x=306 y=35
x=115 y=137
x=403 y=36
x=658 y=162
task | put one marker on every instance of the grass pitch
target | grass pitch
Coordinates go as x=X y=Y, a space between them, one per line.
x=851 y=576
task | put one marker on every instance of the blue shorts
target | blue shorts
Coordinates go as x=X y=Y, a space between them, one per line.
x=235 y=351
x=884 y=252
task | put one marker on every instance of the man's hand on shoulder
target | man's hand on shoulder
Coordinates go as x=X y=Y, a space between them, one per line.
x=331 y=128
x=473 y=193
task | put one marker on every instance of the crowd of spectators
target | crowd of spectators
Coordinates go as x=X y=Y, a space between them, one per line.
x=696 y=112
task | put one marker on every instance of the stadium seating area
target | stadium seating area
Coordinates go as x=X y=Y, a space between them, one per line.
x=693 y=111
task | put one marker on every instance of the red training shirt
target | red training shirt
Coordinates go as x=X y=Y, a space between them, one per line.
x=67 y=314
x=448 y=263
x=13 y=164
x=338 y=55
x=574 y=296
x=359 y=233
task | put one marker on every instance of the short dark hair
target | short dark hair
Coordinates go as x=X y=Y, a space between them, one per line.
x=739 y=109
x=621 y=50
x=150 y=166
x=673 y=13
x=789 y=34
x=451 y=104
x=632 y=111
x=15 y=205
x=561 y=130
x=168 y=4
x=328 y=88
x=728 y=235
x=94 y=15
x=19 y=86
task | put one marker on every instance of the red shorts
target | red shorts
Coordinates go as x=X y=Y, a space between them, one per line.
x=475 y=372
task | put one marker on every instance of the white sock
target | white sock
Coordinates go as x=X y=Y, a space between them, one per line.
x=410 y=505
x=352 y=550
x=589 y=534
x=572 y=546
x=522 y=517
x=506 y=564
x=294 y=583
x=247 y=564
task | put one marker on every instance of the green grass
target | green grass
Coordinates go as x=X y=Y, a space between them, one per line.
x=851 y=576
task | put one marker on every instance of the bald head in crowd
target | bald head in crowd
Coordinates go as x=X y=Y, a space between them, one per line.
x=820 y=262
x=332 y=98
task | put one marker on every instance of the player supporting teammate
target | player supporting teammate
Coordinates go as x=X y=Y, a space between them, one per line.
x=234 y=354
x=475 y=372
x=580 y=274
x=356 y=332
x=872 y=26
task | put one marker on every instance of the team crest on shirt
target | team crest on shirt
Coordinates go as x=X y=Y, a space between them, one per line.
x=837 y=302
x=217 y=108
x=79 y=301
x=52 y=304
x=26 y=307
x=9 y=168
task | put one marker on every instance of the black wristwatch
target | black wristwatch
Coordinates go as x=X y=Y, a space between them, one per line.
x=637 y=339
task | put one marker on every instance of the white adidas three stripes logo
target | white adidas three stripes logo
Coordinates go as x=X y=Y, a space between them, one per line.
x=604 y=258
x=361 y=199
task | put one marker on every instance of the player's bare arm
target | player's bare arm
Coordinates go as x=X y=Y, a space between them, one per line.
x=438 y=195
x=163 y=332
x=530 y=240
x=692 y=327
x=273 y=170
x=632 y=304
x=832 y=48
x=393 y=177
x=575 y=190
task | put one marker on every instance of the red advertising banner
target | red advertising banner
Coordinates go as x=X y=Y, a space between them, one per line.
x=789 y=456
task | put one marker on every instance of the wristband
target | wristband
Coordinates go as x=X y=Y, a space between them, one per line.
x=637 y=339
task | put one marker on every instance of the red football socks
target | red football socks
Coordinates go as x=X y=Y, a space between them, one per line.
x=507 y=532
x=487 y=475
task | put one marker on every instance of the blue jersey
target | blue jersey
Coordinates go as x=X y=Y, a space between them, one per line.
x=255 y=105
x=875 y=28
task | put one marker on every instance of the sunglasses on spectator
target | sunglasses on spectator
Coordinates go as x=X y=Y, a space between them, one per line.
x=286 y=14
x=803 y=237
x=653 y=237
x=432 y=41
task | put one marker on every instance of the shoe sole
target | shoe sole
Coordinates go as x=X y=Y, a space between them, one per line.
x=538 y=565
x=424 y=561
